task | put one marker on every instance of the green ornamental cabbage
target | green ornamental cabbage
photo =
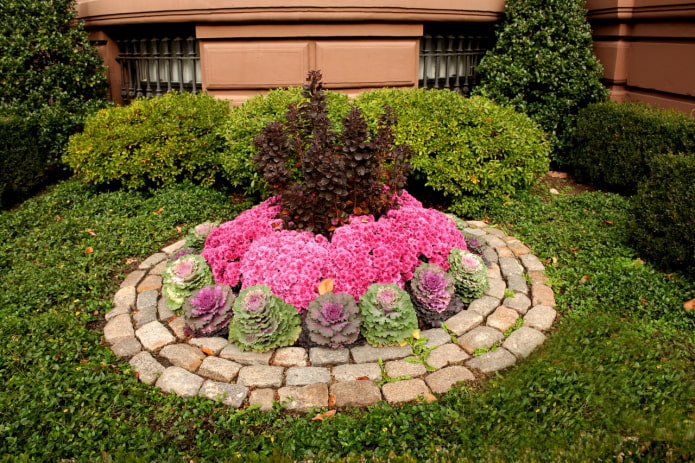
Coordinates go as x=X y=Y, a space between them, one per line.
x=388 y=315
x=263 y=321
x=470 y=274
x=183 y=276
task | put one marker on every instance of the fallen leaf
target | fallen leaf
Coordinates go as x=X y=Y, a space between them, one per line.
x=89 y=250
x=159 y=211
x=690 y=305
x=427 y=397
x=609 y=222
x=326 y=286
x=207 y=351
x=90 y=231
x=331 y=401
x=179 y=229
x=321 y=416
x=585 y=278
x=363 y=378
x=573 y=249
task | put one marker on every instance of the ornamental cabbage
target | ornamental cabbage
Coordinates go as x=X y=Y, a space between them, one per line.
x=333 y=320
x=470 y=274
x=431 y=288
x=208 y=310
x=183 y=276
x=197 y=235
x=263 y=321
x=388 y=316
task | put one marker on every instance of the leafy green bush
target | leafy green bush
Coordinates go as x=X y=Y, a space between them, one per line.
x=472 y=150
x=663 y=225
x=50 y=75
x=615 y=142
x=21 y=161
x=544 y=65
x=248 y=120
x=151 y=142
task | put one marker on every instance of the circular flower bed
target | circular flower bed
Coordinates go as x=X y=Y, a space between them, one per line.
x=374 y=275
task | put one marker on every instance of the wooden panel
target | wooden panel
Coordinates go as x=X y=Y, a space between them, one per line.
x=362 y=63
x=255 y=64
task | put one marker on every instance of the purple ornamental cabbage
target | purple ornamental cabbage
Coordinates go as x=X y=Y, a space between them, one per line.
x=183 y=276
x=197 y=235
x=431 y=288
x=333 y=320
x=207 y=311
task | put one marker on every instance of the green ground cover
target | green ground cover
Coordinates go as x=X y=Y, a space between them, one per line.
x=615 y=381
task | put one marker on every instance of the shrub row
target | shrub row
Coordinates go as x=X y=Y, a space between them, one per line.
x=615 y=143
x=471 y=150
x=152 y=142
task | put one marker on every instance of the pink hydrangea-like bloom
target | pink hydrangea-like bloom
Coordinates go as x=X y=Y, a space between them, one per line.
x=252 y=249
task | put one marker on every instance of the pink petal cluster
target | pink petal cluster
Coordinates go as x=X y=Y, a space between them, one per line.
x=252 y=250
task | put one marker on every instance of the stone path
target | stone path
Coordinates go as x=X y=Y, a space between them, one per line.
x=141 y=329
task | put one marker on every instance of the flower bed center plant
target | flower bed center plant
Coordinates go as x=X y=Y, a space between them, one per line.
x=341 y=247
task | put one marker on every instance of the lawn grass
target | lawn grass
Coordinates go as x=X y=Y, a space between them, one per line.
x=615 y=379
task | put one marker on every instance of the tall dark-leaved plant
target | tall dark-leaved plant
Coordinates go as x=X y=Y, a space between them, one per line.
x=323 y=175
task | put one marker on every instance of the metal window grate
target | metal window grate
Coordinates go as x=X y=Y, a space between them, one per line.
x=154 y=66
x=449 y=61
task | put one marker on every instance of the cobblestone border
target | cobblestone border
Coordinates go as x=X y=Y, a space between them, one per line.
x=141 y=329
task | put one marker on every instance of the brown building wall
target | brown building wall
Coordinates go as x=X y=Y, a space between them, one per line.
x=647 y=47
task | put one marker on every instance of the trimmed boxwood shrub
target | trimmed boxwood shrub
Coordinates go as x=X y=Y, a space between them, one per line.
x=663 y=225
x=21 y=161
x=544 y=65
x=615 y=142
x=247 y=121
x=152 y=142
x=472 y=150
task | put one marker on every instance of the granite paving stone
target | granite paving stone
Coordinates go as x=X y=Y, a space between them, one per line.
x=176 y=325
x=183 y=355
x=367 y=353
x=133 y=278
x=442 y=380
x=490 y=256
x=260 y=376
x=532 y=263
x=492 y=361
x=355 y=393
x=232 y=352
x=150 y=283
x=144 y=316
x=404 y=391
x=435 y=337
x=147 y=299
x=483 y=306
x=229 y=394
x=503 y=318
x=510 y=266
x=537 y=277
x=263 y=397
x=115 y=312
x=542 y=295
x=464 y=321
x=520 y=302
x=127 y=347
x=320 y=356
x=125 y=297
x=446 y=355
x=517 y=283
x=154 y=336
x=174 y=247
x=496 y=288
x=303 y=398
x=540 y=317
x=219 y=369
x=518 y=248
x=483 y=337
x=353 y=371
x=301 y=376
x=179 y=381
x=209 y=346
x=163 y=312
x=159 y=268
x=504 y=251
x=495 y=241
x=495 y=231
x=475 y=232
x=151 y=261
x=396 y=368
x=290 y=357
x=523 y=341
x=147 y=368
x=118 y=328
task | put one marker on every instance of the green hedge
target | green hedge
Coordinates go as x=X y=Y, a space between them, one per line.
x=152 y=142
x=663 y=225
x=21 y=161
x=246 y=122
x=615 y=142
x=472 y=150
